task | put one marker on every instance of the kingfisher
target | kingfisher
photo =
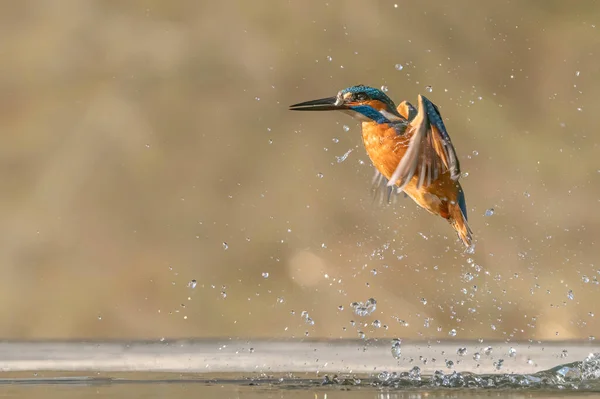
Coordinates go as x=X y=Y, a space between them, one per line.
x=409 y=147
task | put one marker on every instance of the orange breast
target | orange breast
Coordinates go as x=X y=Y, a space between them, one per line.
x=384 y=146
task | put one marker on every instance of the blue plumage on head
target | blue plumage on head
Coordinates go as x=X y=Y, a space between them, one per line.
x=372 y=93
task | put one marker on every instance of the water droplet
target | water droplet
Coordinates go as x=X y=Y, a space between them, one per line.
x=223 y=294
x=424 y=301
x=99 y=317
x=414 y=374
x=461 y=351
x=396 y=348
x=361 y=335
x=585 y=279
x=429 y=89
x=265 y=274
x=489 y=212
x=383 y=376
x=475 y=153
x=577 y=73
x=225 y=246
x=192 y=284
x=384 y=89
x=280 y=300
x=320 y=175
x=340 y=308
x=570 y=295
x=376 y=323
x=257 y=98
x=395 y=5
x=329 y=58
x=307 y=318
x=449 y=364
x=399 y=67
x=512 y=352
x=526 y=194
x=364 y=309
x=465 y=174
x=499 y=364
x=452 y=333
x=335 y=140
x=487 y=350
x=342 y=158
x=346 y=128
x=476 y=356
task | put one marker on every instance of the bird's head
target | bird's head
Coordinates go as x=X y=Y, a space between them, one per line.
x=362 y=102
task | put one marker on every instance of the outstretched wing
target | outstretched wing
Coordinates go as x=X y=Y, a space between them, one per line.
x=382 y=191
x=430 y=151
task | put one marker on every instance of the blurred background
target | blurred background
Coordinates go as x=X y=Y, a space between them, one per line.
x=155 y=185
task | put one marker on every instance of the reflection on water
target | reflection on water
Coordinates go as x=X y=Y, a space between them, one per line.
x=176 y=390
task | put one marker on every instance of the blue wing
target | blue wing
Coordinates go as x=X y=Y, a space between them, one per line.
x=430 y=151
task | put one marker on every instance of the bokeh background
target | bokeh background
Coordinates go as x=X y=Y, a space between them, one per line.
x=146 y=144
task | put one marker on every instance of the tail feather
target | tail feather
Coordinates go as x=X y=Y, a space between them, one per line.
x=462 y=228
x=458 y=220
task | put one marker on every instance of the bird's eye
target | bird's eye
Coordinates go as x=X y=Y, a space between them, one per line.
x=361 y=96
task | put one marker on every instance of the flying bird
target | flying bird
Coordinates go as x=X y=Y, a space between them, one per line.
x=409 y=147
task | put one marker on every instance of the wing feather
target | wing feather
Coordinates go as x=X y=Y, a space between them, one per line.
x=382 y=192
x=430 y=151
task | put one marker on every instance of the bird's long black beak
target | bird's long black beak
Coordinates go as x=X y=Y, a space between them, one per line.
x=323 y=104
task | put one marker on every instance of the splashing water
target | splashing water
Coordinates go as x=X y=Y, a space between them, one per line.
x=364 y=309
x=342 y=158
x=582 y=375
x=396 y=348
